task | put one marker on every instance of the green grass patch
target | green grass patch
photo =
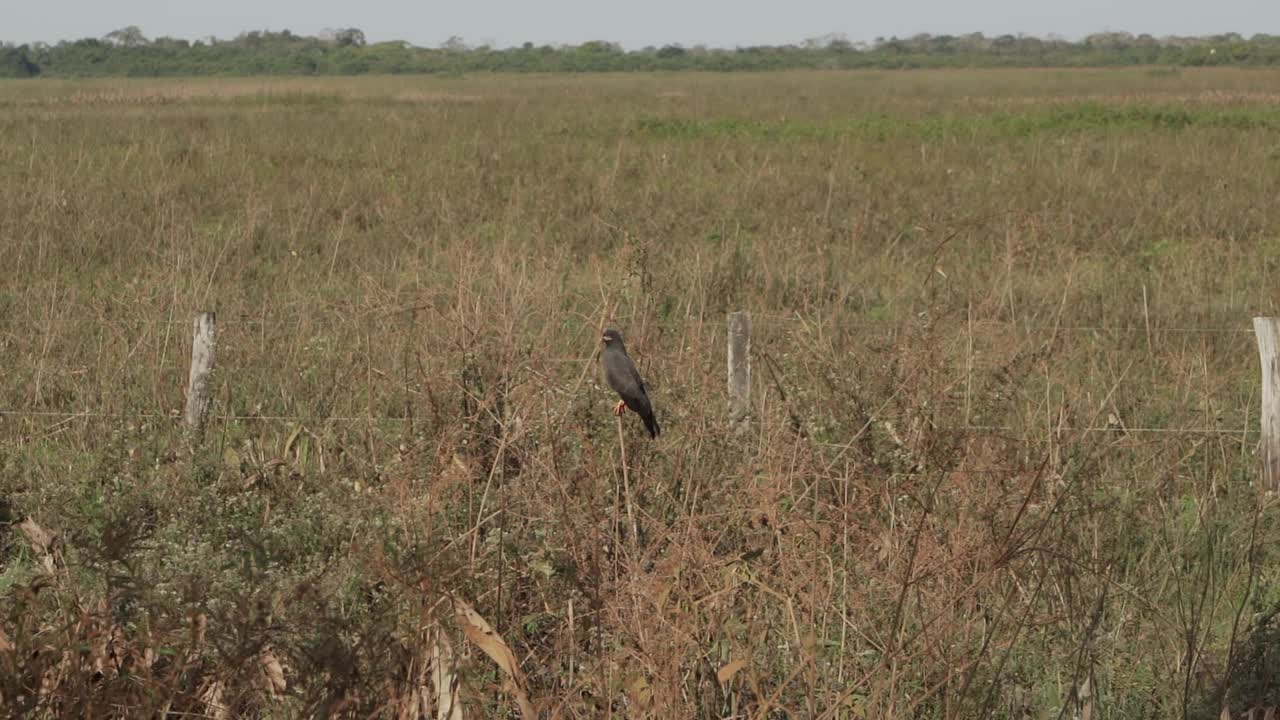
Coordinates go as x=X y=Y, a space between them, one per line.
x=1083 y=118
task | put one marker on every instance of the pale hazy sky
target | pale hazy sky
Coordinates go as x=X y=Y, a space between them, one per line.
x=636 y=23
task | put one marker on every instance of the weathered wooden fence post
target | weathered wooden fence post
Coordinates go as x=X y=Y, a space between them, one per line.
x=740 y=371
x=204 y=344
x=1267 y=330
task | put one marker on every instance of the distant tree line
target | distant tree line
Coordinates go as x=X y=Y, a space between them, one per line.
x=128 y=52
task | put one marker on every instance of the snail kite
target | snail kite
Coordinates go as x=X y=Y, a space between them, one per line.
x=624 y=378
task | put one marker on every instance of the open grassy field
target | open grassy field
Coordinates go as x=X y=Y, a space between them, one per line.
x=1003 y=455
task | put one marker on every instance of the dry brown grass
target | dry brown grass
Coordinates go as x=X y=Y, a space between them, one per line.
x=967 y=490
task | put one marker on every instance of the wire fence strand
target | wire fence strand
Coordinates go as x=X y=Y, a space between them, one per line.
x=64 y=415
x=361 y=315
x=176 y=416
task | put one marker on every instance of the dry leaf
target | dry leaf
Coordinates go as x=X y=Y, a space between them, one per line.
x=522 y=699
x=457 y=471
x=640 y=693
x=199 y=626
x=5 y=643
x=727 y=672
x=444 y=677
x=272 y=671
x=293 y=438
x=231 y=459
x=42 y=541
x=1226 y=713
x=415 y=704
x=479 y=631
x=101 y=632
x=39 y=538
x=211 y=696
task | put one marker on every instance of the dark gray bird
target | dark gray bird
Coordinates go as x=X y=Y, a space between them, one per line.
x=624 y=378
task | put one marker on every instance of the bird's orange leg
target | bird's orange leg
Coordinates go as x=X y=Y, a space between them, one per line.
x=620 y=408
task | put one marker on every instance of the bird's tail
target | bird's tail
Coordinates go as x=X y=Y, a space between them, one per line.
x=650 y=423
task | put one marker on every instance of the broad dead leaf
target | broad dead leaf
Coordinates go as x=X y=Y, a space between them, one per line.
x=415 y=702
x=42 y=541
x=444 y=677
x=640 y=692
x=39 y=538
x=726 y=673
x=272 y=672
x=199 y=626
x=5 y=643
x=102 y=634
x=211 y=696
x=522 y=699
x=479 y=631
x=231 y=459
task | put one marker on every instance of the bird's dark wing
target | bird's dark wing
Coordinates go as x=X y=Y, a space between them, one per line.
x=621 y=374
x=635 y=377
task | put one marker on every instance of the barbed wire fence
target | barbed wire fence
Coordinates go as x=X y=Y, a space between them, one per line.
x=737 y=329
